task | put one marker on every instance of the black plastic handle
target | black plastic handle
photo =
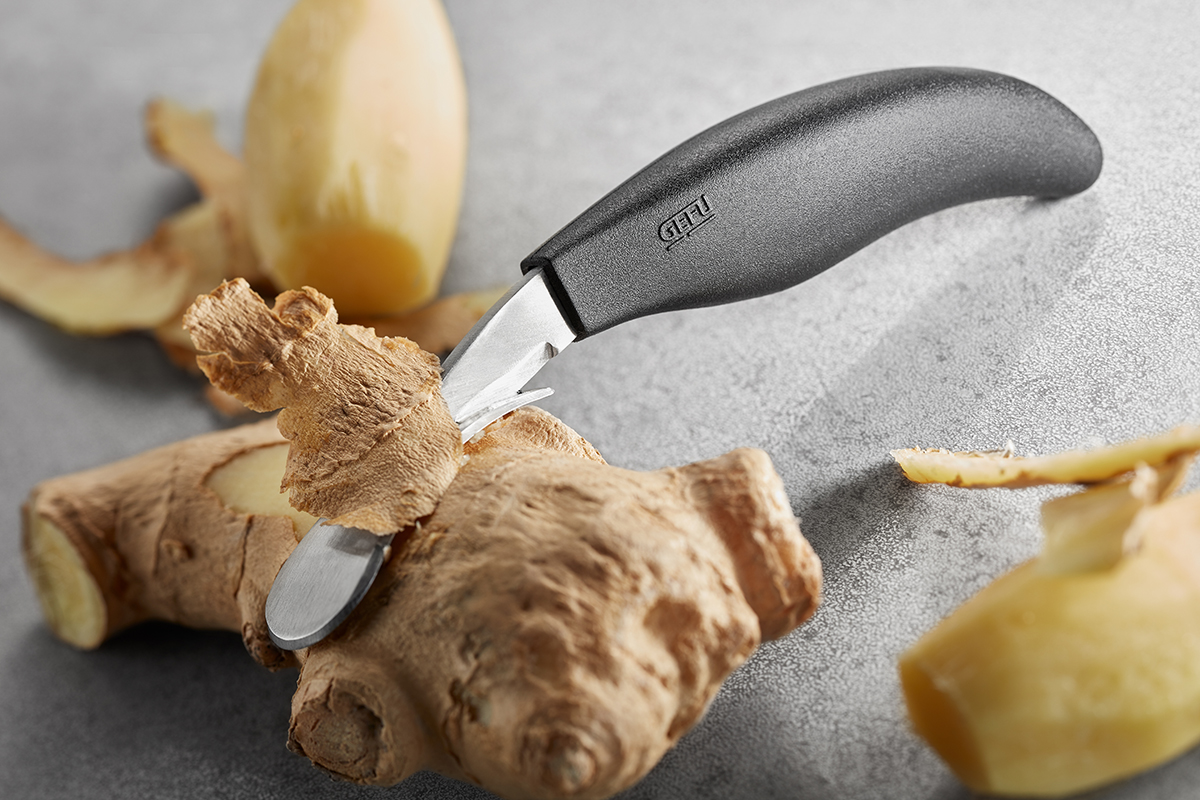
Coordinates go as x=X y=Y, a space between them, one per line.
x=776 y=195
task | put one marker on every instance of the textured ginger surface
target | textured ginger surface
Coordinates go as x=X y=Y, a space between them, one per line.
x=572 y=619
x=157 y=543
x=372 y=443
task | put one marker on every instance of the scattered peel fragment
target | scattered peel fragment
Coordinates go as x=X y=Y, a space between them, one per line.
x=146 y=287
x=972 y=469
x=1075 y=669
x=185 y=139
x=373 y=444
x=118 y=292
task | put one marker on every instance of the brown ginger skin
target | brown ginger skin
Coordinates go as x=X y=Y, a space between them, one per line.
x=557 y=623
x=372 y=442
x=550 y=631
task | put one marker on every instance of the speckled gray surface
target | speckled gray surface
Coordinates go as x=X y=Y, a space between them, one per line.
x=1051 y=324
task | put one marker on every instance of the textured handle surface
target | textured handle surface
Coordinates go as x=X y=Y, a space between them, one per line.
x=774 y=196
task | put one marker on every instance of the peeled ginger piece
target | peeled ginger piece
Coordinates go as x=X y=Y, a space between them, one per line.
x=1081 y=666
x=355 y=170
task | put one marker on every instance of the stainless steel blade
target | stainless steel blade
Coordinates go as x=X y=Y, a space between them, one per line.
x=321 y=582
x=482 y=377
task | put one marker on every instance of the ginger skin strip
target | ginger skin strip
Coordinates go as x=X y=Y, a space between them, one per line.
x=979 y=470
x=548 y=630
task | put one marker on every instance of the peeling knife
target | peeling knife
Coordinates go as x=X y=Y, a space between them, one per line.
x=754 y=205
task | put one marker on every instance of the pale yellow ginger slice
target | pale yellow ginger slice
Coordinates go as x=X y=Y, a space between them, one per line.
x=972 y=469
x=373 y=444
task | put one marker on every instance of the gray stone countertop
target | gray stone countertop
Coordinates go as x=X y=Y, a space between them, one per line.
x=1052 y=324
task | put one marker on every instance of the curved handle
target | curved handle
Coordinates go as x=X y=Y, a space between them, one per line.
x=776 y=195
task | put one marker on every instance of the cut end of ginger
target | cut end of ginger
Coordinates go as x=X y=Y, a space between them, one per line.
x=373 y=445
x=940 y=722
x=71 y=599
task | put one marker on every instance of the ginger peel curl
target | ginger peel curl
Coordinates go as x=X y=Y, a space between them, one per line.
x=372 y=442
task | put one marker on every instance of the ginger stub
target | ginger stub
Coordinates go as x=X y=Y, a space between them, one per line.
x=548 y=629
x=1077 y=668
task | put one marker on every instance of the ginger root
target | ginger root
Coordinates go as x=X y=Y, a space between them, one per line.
x=594 y=612
x=148 y=538
x=1077 y=668
x=548 y=629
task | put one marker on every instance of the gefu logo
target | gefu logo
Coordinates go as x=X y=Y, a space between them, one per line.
x=685 y=221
